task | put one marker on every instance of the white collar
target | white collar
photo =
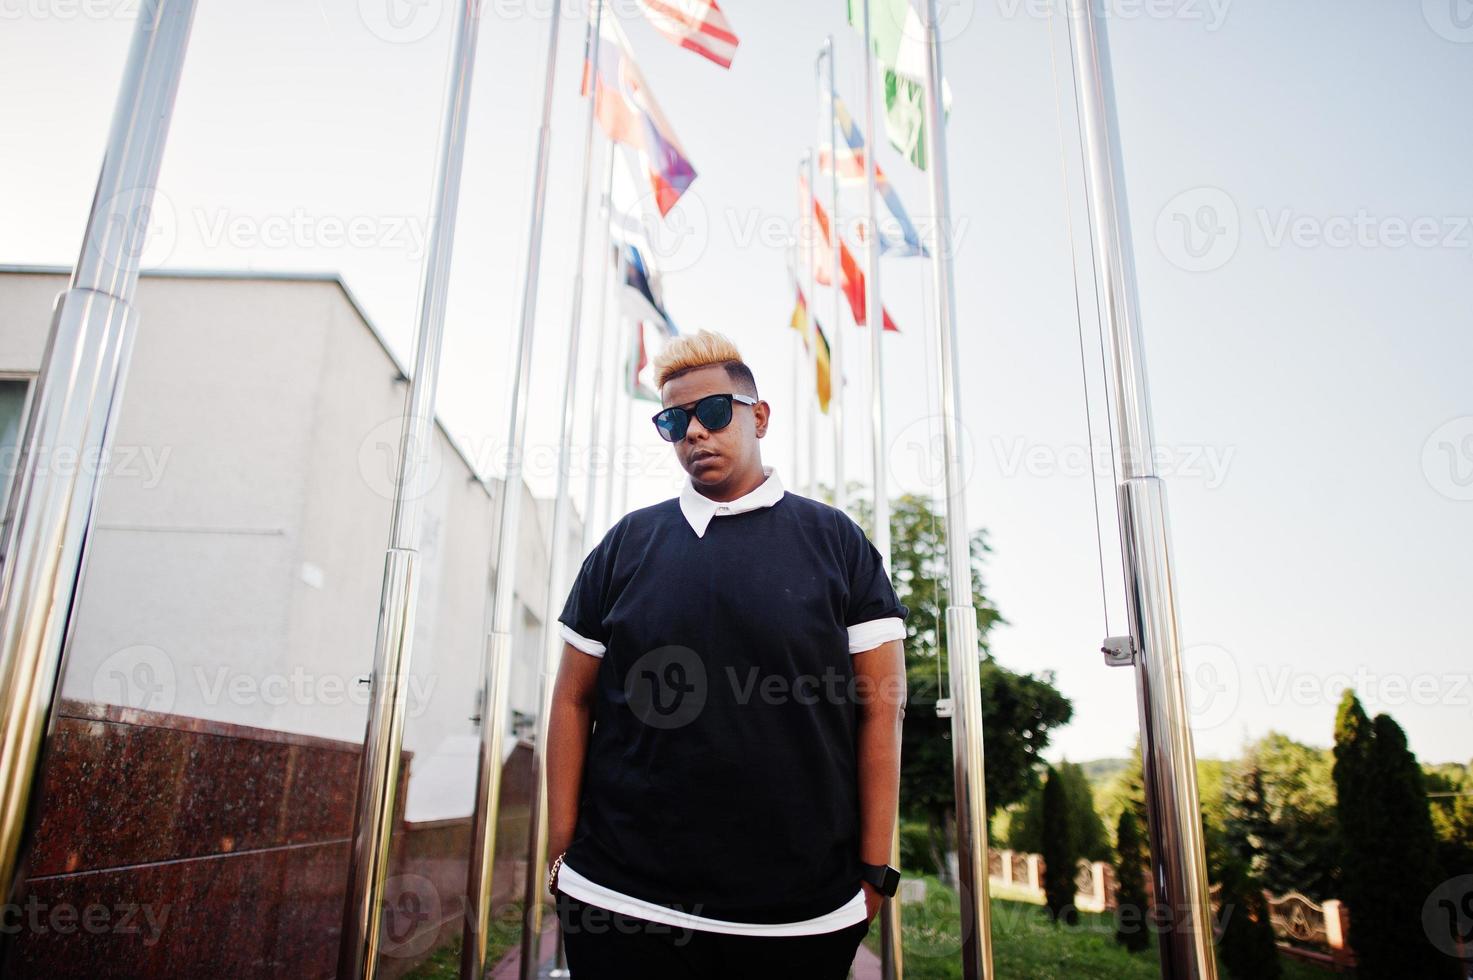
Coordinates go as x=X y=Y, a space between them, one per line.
x=699 y=508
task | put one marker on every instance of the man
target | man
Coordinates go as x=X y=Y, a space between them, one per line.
x=724 y=743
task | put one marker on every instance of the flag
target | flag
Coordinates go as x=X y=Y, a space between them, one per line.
x=851 y=167
x=696 y=25
x=852 y=281
x=647 y=339
x=825 y=386
x=898 y=39
x=628 y=113
x=641 y=297
x=808 y=326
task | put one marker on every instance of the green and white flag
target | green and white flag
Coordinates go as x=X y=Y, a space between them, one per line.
x=898 y=38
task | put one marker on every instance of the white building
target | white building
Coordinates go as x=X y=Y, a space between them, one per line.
x=235 y=566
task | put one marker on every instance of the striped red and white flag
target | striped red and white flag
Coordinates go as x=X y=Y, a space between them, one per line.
x=697 y=25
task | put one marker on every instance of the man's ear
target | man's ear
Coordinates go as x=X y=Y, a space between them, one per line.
x=761 y=412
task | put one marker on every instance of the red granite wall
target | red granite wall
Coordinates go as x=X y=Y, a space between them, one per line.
x=176 y=847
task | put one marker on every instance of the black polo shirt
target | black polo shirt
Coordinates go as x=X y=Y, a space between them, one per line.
x=721 y=775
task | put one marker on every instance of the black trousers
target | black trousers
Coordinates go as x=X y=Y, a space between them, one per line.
x=606 y=945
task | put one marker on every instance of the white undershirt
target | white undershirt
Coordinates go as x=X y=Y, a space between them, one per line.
x=584 y=890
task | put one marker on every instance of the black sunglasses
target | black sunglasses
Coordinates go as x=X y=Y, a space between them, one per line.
x=713 y=412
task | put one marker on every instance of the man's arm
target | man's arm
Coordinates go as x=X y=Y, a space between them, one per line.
x=880 y=690
x=568 y=726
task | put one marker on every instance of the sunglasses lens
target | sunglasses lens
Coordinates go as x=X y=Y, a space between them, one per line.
x=714 y=412
x=671 y=424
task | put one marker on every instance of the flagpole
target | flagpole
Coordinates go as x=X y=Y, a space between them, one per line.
x=1179 y=870
x=621 y=274
x=892 y=964
x=814 y=408
x=599 y=372
x=964 y=651
x=836 y=344
x=536 y=888
x=496 y=674
x=375 y=814
x=74 y=408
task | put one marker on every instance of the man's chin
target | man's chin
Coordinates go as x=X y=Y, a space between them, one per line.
x=709 y=471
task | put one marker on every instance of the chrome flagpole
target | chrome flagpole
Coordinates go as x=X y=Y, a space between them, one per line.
x=602 y=325
x=836 y=276
x=496 y=672
x=536 y=888
x=812 y=286
x=378 y=774
x=964 y=651
x=78 y=393
x=1178 y=855
x=379 y=771
x=616 y=394
x=892 y=965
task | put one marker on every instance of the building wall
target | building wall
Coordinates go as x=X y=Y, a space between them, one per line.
x=235 y=568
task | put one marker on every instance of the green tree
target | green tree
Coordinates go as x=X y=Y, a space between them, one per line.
x=1025 y=829
x=1060 y=851
x=1246 y=946
x=1279 y=816
x=1388 y=861
x=1019 y=711
x=1132 y=925
x=1450 y=792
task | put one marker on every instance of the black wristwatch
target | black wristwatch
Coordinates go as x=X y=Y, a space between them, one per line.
x=885 y=879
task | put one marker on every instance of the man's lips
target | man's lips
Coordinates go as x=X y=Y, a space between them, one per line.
x=703 y=456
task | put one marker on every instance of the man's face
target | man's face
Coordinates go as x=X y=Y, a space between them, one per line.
x=712 y=458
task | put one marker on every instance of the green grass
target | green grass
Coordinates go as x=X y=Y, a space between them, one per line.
x=1025 y=943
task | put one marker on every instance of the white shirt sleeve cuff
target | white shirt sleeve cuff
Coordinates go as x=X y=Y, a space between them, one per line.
x=591 y=647
x=867 y=636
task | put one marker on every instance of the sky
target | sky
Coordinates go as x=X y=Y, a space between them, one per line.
x=1298 y=195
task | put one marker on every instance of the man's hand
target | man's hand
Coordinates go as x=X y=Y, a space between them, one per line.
x=872 y=900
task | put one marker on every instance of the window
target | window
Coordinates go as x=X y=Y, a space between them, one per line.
x=14 y=393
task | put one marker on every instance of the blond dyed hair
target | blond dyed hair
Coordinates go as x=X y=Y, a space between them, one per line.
x=690 y=351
